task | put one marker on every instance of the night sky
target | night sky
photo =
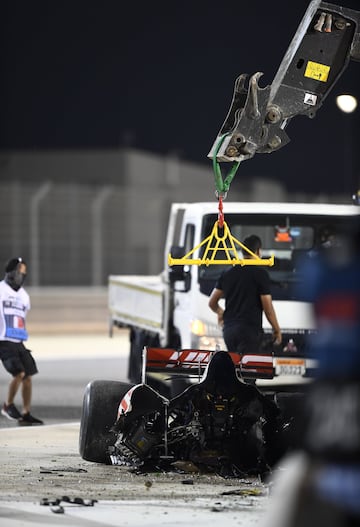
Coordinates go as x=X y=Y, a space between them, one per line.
x=159 y=76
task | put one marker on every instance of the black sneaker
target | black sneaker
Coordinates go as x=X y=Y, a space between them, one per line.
x=29 y=420
x=11 y=412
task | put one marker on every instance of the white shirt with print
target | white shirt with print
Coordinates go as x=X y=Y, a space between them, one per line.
x=14 y=306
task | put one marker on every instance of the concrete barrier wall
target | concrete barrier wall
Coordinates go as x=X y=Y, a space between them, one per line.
x=58 y=310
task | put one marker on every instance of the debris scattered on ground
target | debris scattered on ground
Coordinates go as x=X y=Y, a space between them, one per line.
x=245 y=492
x=46 y=470
x=187 y=482
x=218 y=507
x=56 y=506
x=185 y=466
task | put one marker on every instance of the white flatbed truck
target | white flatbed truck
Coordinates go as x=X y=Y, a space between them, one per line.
x=171 y=309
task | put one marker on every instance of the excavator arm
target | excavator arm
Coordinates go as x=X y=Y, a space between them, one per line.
x=327 y=38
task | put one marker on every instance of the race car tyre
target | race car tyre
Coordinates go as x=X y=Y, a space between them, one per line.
x=99 y=411
x=290 y=404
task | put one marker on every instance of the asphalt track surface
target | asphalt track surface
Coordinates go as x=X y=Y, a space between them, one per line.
x=41 y=465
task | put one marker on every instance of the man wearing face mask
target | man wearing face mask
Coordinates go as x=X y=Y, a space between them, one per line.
x=17 y=360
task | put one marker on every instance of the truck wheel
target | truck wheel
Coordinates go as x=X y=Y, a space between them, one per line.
x=138 y=339
x=99 y=411
x=137 y=343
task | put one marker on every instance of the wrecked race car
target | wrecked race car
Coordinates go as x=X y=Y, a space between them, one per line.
x=219 y=424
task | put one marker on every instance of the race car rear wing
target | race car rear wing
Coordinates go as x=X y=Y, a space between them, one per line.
x=192 y=363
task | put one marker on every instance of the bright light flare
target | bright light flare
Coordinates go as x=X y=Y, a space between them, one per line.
x=346 y=103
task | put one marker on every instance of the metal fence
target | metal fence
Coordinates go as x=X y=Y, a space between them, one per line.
x=69 y=234
x=78 y=217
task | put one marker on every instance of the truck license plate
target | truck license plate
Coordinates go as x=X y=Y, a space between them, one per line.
x=290 y=366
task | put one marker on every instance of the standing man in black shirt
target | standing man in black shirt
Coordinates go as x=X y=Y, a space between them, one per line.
x=246 y=291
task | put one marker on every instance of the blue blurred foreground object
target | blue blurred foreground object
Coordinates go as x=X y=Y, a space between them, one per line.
x=332 y=283
x=322 y=485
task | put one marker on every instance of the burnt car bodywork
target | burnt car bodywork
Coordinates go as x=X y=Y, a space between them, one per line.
x=220 y=424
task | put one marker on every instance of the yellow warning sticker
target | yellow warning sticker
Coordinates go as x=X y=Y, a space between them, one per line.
x=317 y=71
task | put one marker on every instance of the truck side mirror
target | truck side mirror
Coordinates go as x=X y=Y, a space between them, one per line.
x=179 y=273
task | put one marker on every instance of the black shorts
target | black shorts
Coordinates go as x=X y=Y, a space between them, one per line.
x=16 y=358
x=242 y=340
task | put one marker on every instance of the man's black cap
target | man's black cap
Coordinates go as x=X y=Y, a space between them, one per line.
x=13 y=263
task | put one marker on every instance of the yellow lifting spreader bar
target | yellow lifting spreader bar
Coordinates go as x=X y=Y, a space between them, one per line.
x=220 y=245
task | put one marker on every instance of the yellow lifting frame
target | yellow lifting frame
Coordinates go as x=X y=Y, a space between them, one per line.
x=220 y=245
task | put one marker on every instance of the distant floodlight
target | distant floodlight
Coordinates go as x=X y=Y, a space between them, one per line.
x=346 y=103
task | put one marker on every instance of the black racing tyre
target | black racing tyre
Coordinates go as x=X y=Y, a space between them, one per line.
x=99 y=412
x=290 y=403
x=291 y=406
